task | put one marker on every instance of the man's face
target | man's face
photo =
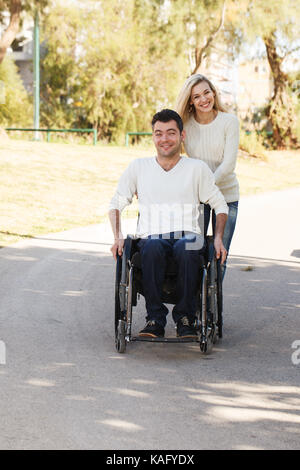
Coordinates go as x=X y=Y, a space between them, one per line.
x=167 y=138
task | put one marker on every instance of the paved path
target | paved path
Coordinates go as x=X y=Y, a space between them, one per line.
x=64 y=387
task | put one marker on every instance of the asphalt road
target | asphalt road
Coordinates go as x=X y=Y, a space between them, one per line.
x=63 y=385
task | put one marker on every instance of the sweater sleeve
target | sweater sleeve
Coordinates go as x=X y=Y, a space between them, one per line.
x=230 y=151
x=209 y=192
x=126 y=188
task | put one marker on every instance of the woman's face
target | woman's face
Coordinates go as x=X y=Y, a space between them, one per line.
x=202 y=97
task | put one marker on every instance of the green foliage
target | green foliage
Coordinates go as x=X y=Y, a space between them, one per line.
x=15 y=105
x=59 y=68
x=27 y=5
x=109 y=68
x=111 y=65
x=252 y=144
x=276 y=23
x=294 y=84
x=297 y=129
x=196 y=19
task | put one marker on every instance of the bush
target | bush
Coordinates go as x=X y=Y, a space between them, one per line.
x=16 y=109
x=251 y=143
x=297 y=128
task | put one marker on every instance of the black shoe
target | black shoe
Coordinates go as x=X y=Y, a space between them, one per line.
x=185 y=329
x=153 y=329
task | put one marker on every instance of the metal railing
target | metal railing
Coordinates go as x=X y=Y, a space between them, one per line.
x=134 y=133
x=258 y=132
x=48 y=131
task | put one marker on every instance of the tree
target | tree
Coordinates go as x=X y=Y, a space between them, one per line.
x=200 y=23
x=281 y=110
x=110 y=68
x=276 y=23
x=16 y=108
x=211 y=34
x=15 y=9
x=60 y=28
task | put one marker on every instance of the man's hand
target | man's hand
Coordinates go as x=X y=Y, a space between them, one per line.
x=220 y=249
x=117 y=247
x=115 y=220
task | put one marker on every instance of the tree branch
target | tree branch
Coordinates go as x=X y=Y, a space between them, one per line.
x=199 y=51
x=12 y=29
x=291 y=51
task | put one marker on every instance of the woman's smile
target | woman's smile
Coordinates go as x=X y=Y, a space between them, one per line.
x=202 y=97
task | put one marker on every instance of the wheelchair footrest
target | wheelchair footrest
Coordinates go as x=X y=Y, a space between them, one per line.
x=164 y=340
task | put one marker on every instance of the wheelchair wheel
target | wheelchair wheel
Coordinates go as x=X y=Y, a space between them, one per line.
x=120 y=304
x=205 y=336
x=120 y=339
x=212 y=299
x=123 y=302
x=219 y=299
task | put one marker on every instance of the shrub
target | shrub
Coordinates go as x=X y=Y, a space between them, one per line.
x=252 y=144
x=16 y=108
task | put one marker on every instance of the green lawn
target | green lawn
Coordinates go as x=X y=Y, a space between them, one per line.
x=53 y=187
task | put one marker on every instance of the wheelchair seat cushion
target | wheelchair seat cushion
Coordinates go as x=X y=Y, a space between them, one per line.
x=171 y=269
x=171 y=264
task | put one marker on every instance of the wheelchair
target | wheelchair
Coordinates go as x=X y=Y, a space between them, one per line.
x=209 y=300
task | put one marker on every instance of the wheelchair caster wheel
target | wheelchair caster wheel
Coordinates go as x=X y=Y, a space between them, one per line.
x=120 y=337
x=206 y=346
x=215 y=337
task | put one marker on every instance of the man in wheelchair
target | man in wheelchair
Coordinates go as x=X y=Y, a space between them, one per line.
x=170 y=188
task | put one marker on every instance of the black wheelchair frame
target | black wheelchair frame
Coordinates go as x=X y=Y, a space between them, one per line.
x=128 y=288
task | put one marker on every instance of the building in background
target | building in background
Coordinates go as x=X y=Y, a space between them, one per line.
x=255 y=86
x=21 y=50
x=22 y=53
x=245 y=86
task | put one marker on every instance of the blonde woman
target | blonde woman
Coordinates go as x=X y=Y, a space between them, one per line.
x=212 y=135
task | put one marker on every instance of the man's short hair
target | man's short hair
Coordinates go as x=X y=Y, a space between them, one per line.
x=167 y=115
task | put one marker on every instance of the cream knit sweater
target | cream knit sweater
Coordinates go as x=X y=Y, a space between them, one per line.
x=216 y=144
x=168 y=200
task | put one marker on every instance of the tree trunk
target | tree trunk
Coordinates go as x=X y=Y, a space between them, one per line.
x=12 y=29
x=199 y=51
x=281 y=110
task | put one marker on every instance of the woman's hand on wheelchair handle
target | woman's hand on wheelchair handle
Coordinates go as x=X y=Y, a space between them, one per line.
x=117 y=247
x=220 y=249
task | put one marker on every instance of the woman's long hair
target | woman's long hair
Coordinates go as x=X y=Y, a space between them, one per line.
x=183 y=106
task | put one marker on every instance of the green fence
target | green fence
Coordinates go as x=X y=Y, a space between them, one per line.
x=134 y=133
x=259 y=132
x=48 y=131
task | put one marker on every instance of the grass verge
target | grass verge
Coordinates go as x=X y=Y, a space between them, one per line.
x=54 y=187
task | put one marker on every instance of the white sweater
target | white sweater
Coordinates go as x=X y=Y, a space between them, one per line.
x=168 y=200
x=216 y=144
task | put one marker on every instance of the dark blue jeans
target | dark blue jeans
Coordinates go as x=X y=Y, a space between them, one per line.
x=186 y=249
x=229 y=227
